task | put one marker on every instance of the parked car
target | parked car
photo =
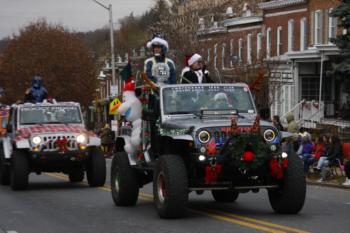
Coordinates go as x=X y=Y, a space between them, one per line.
x=206 y=137
x=49 y=137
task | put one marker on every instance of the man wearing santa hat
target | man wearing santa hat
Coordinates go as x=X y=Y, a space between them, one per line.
x=159 y=68
x=195 y=71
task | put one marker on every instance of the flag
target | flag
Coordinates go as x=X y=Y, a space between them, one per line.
x=126 y=72
x=113 y=106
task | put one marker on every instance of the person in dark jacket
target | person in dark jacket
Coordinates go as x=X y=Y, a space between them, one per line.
x=195 y=71
x=333 y=154
x=37 y=93
x=277 y=123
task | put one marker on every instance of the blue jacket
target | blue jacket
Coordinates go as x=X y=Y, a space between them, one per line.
x=160 y=70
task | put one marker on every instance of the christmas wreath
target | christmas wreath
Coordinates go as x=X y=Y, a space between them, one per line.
x=247 y=151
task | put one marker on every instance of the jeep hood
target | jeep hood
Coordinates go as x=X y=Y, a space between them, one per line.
x=49 y=129
x=198 y=123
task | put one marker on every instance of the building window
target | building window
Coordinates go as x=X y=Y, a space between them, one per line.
x=318 y=27
x=208 y=57
x=268 y=42
x=279 y=41
x=240 y=49
x=215 y=55
x=223 y=55
x=231 y=52
x=290 y=35
x=249 y=48
x=332 y=26
x=303 y=34
x=258 y=45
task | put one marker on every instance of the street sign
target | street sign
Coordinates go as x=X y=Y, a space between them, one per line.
x=114 y=125
x=114 y=90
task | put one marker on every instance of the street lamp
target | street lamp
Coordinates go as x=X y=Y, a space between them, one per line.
x=109 y=8
x=103 y=77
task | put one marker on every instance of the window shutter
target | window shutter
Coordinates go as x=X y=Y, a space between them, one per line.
x=312 y=31
x=292 y=35
x=327 y=25
x=321 y=26
x=306 y=42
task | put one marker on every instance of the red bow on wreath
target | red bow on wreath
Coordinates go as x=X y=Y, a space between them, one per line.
x=62 y=144
x=248 y=156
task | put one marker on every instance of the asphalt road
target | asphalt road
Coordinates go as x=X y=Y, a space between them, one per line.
x=53 y=205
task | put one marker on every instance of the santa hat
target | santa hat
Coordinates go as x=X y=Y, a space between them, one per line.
x=129 y=86
x=193 y=58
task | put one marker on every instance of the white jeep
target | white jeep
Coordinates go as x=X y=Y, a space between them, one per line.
x=49 y=137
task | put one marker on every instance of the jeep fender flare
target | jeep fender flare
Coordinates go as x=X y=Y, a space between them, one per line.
x=7 y=147
x=185 y=137
x=119 y=147
x=94 y=141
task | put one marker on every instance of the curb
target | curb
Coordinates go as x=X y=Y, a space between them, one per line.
x=325 y=184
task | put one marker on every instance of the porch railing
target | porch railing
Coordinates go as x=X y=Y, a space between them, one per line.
x=295 y=111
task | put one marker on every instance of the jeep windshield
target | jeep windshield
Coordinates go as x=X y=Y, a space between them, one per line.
x=49 y=115
x=206 y=98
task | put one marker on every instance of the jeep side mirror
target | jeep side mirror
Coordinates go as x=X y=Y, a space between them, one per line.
x=8 y=128
x=4 y=123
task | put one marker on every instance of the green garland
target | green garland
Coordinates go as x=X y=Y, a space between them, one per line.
x=239 y=143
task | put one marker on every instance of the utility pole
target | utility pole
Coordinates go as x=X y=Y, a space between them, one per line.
x=109 y=8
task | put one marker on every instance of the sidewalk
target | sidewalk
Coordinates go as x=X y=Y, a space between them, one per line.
x=335 y=182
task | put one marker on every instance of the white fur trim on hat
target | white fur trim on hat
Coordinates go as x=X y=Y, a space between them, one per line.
x=220 y=96
x=159 y=41
x=195 y=57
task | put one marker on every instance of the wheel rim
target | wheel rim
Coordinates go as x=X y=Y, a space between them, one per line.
x=161 y=190
x=116 y=183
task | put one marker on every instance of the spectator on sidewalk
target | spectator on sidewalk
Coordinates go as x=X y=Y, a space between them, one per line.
x=347 y=173
x=305 y=151
x=106 y=135
x=331 y=156
x=293 y=126
x=277 y=123
x=319 y=148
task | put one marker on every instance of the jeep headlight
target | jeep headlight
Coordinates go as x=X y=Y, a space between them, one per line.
x=81 y=139
x=204 y=136
x=36 y=140
x=269 y=135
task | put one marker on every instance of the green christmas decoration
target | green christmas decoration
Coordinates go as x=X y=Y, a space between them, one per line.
x=342 y=12
x=239 y=146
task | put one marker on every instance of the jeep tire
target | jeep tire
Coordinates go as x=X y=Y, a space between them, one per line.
x=19 y=170
x=289 y=198
x=76 y=175
x=96 y=168
x=124 y=181
x=224 y=195
x=5 y=171
x=170 y=186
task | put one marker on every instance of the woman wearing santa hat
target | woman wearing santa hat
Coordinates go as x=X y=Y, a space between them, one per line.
x=195 y=71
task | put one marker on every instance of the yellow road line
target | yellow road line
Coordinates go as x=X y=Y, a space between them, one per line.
x=265 y=223
x=223 y=216
x=238 y=222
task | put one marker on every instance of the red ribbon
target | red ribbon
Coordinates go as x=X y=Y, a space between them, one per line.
x=212 y=173
x=62 y=144
x=277 y=168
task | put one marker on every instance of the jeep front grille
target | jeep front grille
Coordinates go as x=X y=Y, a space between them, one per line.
x=220 y=137
x=49 y=142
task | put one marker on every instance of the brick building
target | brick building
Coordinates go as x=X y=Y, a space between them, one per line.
x=292 y=39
